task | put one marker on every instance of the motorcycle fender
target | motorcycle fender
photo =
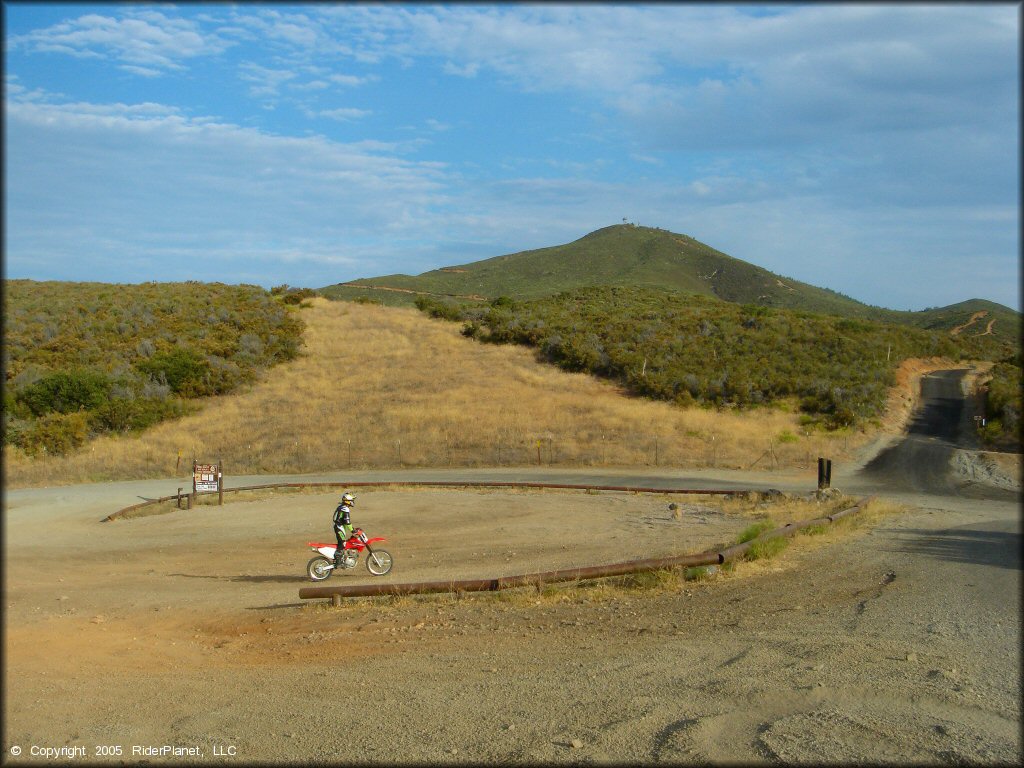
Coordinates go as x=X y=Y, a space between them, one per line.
x=327 y=552
x=375 y=539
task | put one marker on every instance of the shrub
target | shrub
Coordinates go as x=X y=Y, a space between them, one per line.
x=1003 y=405
x=56 y=433
x=181 y=369
x=125 y=415
x=297 y=295
x=66 y=392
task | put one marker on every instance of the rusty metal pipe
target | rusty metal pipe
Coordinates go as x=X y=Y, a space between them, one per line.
x=844 y=512
x=566 y=574
x=506 y=582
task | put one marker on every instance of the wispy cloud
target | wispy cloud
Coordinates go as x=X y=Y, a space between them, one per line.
x=344 y=114
x=145 y=42
x=117 y=175
x=265 y=80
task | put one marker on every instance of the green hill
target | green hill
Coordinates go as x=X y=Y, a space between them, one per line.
x=628 y=255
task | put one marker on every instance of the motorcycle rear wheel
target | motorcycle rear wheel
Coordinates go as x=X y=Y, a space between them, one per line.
x=379 y=562
x=317 y=569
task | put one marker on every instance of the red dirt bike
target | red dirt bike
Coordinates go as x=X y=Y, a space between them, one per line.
x=378 y=561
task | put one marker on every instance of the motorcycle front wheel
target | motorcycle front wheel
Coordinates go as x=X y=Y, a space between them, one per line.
x=379 y=562
x=319 y=568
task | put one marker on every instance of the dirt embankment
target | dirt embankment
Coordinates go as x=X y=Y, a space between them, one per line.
x=905 y=396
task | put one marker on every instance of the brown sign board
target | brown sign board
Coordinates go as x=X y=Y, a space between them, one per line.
x=206 y=477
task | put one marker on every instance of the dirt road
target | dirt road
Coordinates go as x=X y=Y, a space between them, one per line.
x=895 y=644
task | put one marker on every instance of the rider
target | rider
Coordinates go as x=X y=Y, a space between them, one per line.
x=342 y=524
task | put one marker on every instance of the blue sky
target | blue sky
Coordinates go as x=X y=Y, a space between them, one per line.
x=871 y=149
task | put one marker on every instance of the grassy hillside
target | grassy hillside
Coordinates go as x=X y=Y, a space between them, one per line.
x=627 y=255
x=987 y=321
x=709 y=351
x=618 y=255
x=82 y=359
x=380 y=387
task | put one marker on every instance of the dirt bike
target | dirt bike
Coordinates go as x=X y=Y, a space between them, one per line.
x=378 y=561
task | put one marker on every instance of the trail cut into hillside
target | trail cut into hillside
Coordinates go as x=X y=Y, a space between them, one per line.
x=974 y=318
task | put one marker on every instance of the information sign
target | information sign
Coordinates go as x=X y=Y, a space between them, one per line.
x=206 y=477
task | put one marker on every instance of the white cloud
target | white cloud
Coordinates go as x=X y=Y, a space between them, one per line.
x=265 y=81
x=312 y=85
x=351 y=80
x=147 y=180
x=344 y=114
x=144 y=42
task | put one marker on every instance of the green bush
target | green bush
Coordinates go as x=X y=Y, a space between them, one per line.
x=66 y=392
x=1003 y=406
x=126 y=415
x=56 y=433
x=184 y=371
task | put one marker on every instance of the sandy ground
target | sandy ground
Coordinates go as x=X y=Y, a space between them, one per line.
x=891 y=645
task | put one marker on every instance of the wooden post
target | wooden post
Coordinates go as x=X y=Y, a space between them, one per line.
x=824 y=473
x=179 y=498
x=192 y=497
x=220 y=483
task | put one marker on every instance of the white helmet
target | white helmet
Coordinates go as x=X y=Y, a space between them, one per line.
x=348 y=499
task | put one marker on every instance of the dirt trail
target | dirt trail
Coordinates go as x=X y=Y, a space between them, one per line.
x=974 y=318
x=473 y=296
x=897 y=643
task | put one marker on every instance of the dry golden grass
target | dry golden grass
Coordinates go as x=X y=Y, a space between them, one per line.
x=381 y=387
